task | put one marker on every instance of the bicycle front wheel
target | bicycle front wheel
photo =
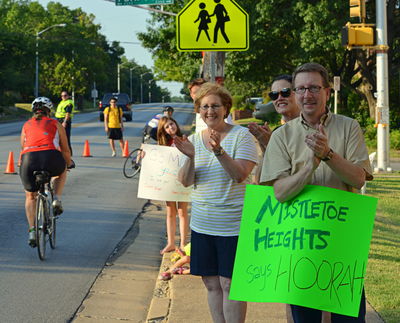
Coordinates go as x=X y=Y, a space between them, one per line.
x=51 y=223
x=133 y=163
x=40 y=224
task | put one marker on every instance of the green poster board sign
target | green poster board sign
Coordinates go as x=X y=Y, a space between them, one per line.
x=140 y=2
x=311 y=251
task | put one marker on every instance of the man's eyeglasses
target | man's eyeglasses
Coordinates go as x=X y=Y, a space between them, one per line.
x=214 y=107
x=285 y=92
x=312 y=89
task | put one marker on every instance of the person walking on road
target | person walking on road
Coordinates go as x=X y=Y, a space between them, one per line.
x=318 y=148
x=168 y=130
x=113 y=125
x=65 y=113
x=44 y=147
x=222 y=17
x=218 y=162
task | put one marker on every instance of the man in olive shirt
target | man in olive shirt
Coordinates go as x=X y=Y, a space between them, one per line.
x=64 y=114
x=318 y=148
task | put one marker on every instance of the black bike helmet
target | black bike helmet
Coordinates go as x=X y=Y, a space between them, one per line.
x=41 y=102
x=168 y=109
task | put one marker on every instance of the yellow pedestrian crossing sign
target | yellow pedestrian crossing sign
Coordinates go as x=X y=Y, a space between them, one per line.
x=212 y=25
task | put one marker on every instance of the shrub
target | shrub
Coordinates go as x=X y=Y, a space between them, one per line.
x=395 y=139
x=240 y=103
x=370 y=134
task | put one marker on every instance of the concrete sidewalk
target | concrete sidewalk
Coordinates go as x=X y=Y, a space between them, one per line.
x=127 y=289
x=183 y=299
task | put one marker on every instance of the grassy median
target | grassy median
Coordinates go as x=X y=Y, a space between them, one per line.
x=382 y=283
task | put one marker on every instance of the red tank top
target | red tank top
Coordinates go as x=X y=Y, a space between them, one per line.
x=40 y=135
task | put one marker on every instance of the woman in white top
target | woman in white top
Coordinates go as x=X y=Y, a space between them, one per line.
x=219 y=160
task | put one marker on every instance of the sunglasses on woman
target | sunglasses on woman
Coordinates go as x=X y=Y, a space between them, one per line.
x=284 y=93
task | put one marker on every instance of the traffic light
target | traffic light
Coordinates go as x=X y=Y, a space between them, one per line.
x=357 y=9
x=354 y=35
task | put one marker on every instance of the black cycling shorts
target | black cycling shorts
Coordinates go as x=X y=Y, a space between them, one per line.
x=49 y=160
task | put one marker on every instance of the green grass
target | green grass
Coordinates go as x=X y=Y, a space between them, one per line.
x=382 y=283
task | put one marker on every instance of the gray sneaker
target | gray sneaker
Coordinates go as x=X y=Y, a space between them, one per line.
x=57 y=207
x=32 y=237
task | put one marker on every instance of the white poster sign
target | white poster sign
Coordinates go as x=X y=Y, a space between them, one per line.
x=158 y=175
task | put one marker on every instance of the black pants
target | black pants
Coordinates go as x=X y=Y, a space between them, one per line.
x=310 y=315
x=67 y=130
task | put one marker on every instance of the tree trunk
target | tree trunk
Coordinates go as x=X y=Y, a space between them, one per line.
x=367 y=89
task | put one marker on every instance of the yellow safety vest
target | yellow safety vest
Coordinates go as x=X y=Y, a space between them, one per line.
x=61 y=113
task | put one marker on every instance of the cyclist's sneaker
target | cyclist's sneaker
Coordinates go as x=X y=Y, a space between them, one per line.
x=32 y=237
x=113 y=154
x=57 y=207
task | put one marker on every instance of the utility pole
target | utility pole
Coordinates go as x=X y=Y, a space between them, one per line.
x=213 y=66
x=150 y=89
x=382 y=86
x=361 y=36
x=118 y=78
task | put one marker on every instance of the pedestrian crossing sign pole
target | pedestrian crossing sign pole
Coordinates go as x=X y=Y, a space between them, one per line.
x=212 y=25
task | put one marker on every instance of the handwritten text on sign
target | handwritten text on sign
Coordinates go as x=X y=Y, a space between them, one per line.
x=158 y=175
x=311 y=251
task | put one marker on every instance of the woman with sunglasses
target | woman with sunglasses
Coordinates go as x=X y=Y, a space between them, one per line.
x=218 y=162
x=284 y=102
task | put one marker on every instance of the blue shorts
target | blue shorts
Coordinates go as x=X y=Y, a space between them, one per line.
x=212 y=255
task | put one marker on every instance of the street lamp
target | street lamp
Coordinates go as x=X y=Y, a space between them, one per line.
x=130 y=77
x=150 y=89
x=37 y=56
x=141 y=86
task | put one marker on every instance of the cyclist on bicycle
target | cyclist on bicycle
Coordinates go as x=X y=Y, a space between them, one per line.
x=41 y=139
x=150 y=130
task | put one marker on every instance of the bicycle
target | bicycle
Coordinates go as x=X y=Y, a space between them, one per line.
x=45 y=219
x=133 y=162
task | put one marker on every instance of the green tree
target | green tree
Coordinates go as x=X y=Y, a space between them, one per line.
x=283 y=35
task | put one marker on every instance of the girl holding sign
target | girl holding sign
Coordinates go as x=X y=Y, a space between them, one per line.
x=167 y=130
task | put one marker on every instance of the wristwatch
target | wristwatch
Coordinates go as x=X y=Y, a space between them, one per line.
x=219 y=152
x=328 y=155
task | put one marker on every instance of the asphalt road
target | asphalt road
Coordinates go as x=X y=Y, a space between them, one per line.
x=100 y=206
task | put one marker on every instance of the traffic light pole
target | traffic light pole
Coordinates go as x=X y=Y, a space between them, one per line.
x=382 y=85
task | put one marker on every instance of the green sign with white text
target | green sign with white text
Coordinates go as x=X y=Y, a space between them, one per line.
x=140 y=2
x=310 y=251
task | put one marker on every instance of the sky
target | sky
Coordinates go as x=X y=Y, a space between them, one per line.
x=121 y=23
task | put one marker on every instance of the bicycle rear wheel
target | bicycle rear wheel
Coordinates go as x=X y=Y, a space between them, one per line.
x=133 y=163
x=40 y=224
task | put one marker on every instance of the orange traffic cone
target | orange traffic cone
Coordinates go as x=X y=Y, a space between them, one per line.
x=86 y=149
x=125 y=153
x=10 y=164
